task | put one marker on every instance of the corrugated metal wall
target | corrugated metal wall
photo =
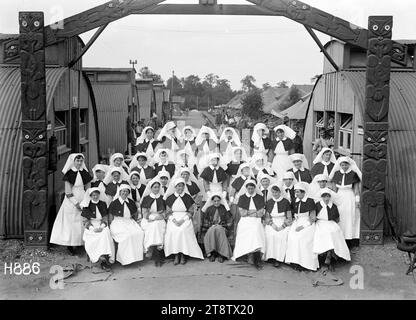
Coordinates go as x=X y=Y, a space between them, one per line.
x=11 y=217
x=112 y=106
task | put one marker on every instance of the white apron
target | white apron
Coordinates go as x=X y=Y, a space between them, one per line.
x=98 y=244
x=329 y=236
x=68 y=228
x=300 y=243
x=129 y=236
x=250 y=237
x=349 y=214
x=154 y=231
x=181 y=239
x=276 y=241
x=281 y=161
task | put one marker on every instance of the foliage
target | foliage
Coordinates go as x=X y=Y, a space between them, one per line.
x=252 y=104
x=282 y=84
x=248 y=83
x=146 y=73
x=294 y=96
x=266 y=86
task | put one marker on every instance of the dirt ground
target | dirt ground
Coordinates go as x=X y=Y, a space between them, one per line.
x=383 y=268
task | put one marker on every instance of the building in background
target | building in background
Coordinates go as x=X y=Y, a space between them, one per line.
x=337 y=104
x=117 y=104
x=72 y=126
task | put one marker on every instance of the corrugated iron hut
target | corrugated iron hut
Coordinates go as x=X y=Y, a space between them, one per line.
x=72 y=123
x=338 y=103
x=146 y=98
x=116 y=98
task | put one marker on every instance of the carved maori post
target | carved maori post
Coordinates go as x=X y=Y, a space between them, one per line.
x=34 y=128
x=376 y=129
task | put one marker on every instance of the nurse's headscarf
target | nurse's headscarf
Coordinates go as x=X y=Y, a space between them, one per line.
x=172 y=187
x=87 y=197
x=165 y=131
x=70 y=163
x=244 y=156
x=135 y=162
x=319 y=159
x=256 y=138
x=289 y=132
x=299 y=157
x=143 y=136
x=353 y=167
x=211 y=195
x=243 y=189
x=204 y=129
x=191 y=129
x=149 y=186
x=102 y=167
x=120 y=188
x=235 y=137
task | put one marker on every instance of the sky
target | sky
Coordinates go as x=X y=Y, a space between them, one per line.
x=271 y=49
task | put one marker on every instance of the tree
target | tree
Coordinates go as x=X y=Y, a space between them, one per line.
x=252 y=104
x=294 y=96
x=282 y=84
x=146 y=73
x=248 y=83
x=266 y=86
x=177 y=85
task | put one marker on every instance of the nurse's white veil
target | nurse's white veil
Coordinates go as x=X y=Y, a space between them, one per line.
x=211 y=195
x=70 y=163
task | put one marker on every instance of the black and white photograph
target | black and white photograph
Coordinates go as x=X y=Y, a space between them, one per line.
x=224 y=151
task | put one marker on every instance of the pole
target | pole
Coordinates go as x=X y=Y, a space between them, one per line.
x=171 y=95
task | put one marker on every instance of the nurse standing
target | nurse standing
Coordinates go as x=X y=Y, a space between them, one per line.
x=68 y=228
x=281 y=148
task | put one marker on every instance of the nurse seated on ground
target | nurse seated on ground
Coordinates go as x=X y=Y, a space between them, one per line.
x=301 y=234
x=278 y=220
x=217 y=224
x=99 y=244
x=250 y=239
x=180 y=239
x=329 y=239
x=125 y=228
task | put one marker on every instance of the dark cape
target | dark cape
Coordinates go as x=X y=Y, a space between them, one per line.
x=71 y=176
x=244 y=202
x=208 y=174
x=319 y=168
x=186 y=198
x=117 y=209
x=288 y=144
x=90 y=212
x=111 y=188
x=149 y=172
x=333 y=213
x=282 y=206
x=148 y=201
x=305 y=175
x=350 y=178
x=169 y=167
x=309 y=205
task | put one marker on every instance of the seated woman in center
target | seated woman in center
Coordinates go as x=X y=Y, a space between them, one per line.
x=180 y=238
x=153 y=223
x=250 y=239
x=329 y=239
x=216 y=227
x=278 y=219
x=125 y=228
x=300 y=239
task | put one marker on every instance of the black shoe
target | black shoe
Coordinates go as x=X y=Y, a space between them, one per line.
x=211 y=258
x=71 y=250
x=220 y=259
x=177 y=259
x=277 y=264
x=183 y=259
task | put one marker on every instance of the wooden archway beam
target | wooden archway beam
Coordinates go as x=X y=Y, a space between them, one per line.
x=324 y=22
x=95 y=18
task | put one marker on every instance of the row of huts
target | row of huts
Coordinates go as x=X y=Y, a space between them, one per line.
x=89 y=110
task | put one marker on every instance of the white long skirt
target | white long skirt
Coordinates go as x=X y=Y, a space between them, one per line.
x=154 y=233
x=250 y=237
x=181 y=239
x=300 y=244
x=98 y=244
x=276 y=241
x=329 y=236
x=349 y=214
x=281 y=164
x=129 y=236
x=68 y=228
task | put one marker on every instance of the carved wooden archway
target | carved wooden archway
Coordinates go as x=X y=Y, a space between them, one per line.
x=35 y=36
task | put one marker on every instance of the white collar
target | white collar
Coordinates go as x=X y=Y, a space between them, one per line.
x=135 y=187
x=278 y=199
x=278 y=140
x=94 y=201
x=263 y=188
x=286 y=187
x=258 y=168
x=116 y=182
x=163 y=164
x=122 y=201
x=177 y=195
x=189 y=139
x=140 y=167
x=324 y=205
x=213 y=168
x=326 y=163
x=303 y=200
x=147 y=140
x=250 y=196
x=154 y=196
x=76 y=170
x=345 y=172
x=296 y=170
x=244 y=177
